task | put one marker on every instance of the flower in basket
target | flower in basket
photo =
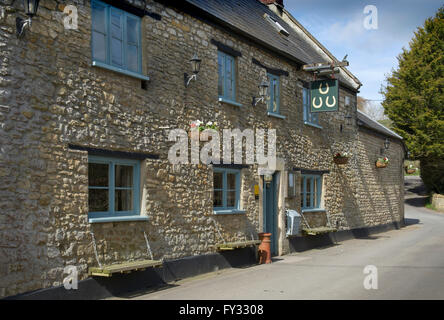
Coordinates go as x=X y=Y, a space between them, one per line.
x=342 y=155
x=201 y=126
x=384 y=160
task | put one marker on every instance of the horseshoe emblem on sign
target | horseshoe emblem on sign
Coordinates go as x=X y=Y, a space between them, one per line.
x=328 y=104
x=317 y=106
x=324 y=91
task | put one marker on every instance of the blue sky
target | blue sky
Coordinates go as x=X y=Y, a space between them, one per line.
x=338 y=25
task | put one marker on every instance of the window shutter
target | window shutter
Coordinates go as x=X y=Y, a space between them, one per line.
x=116 y=46
x=99 y=32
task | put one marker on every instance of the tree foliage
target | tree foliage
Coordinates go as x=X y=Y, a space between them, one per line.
x=414 y=99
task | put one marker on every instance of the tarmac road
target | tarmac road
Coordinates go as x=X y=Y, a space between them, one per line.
x=409 y=262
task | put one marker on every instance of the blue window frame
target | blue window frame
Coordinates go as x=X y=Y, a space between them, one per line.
x=226 y=186
x=309 y=117
x=116 y=38
x=227 y=76
x=274 y=90
x=113 y=187
x=311 y=191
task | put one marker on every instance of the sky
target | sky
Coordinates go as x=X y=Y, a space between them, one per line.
x=372 y=53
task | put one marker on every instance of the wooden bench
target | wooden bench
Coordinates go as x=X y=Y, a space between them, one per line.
x=109 y=270
x=236 y=245
x=316 y=231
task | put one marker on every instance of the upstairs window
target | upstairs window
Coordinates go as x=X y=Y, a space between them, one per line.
x=274 y=89
x=227 y=76
x=226 y=186
x=113 y=187
x=116 y=38
x=311 y=191
x=309 y=117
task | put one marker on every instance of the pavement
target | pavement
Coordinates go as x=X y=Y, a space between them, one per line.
x=409 y=264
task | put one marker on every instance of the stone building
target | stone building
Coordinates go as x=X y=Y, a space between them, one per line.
x=88 y=96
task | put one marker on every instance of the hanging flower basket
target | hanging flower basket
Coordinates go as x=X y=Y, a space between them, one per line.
x=341 y=158
x=410 y=169
x=382 y=162
x=200 y=126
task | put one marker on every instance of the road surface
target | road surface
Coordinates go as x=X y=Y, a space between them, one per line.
x=409 y=262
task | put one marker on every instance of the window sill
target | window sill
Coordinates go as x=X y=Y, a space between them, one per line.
x=276 y=115
x=119 y=70
x=231 y=102
x=229 y=211
x=312 y=125
x=313 y=210
x=117 y=219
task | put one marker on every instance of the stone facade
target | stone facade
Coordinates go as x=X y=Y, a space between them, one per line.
x=51 y=96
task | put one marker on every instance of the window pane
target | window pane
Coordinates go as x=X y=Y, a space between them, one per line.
x=231 y=199
x=98 y=174
x=315 y=193
x=98 y=18
x=116 y=38
x=217 y=180
x=307 y=194
x=275 y=95
x=132 y=30
x=229 y=75
x=99 y=46
x=302 y=191
x=132 y=58
x=220 y=66
x=98 y=200
x=231 y=181
x=123 y=200
x=217 y=199
x=123 y=176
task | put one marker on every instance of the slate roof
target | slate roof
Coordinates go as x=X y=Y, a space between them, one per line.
x=366 y=121
x=247 y=17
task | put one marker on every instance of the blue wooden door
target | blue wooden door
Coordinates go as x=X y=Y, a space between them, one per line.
x=270 y=211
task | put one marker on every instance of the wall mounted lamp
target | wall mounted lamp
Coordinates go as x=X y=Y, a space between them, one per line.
x=21 y=24
x=386 y=145
x=263 y=93
x=348 y=121
x=195 y=67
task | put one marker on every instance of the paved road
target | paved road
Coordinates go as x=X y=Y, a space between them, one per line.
x=410 y=264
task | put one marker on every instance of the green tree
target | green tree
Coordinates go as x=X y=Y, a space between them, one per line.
x=414 y=100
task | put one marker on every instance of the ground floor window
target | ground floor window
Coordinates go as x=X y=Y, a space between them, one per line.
x=311 y=191
x=226 y=186
x=113 y=187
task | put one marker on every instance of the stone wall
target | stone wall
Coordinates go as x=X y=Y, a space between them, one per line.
x=51 y=96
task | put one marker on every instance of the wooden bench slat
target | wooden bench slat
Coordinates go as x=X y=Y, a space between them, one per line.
x=234 y=245
x=316 y=231
x=108 y=270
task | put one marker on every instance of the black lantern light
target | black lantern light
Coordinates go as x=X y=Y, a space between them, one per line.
x=348 y=122
x=263 y=92
x=386 y=143
x=195 y=67
x=30 y=7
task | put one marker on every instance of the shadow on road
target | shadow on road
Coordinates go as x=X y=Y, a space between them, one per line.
x=416 y=202
x=410 y=221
